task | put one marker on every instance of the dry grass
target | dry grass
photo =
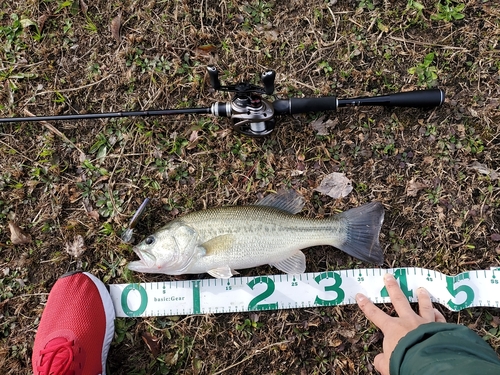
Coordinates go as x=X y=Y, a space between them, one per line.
x=69 y=59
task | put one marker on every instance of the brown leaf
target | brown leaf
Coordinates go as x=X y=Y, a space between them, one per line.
x=153 y=343
x=413 y=187
x=321 y=126
x=207 y=48
x=335 y=185
x=17 y=236
x=75 y=248
x=84 y=7
x=94 y=215
x=483 y=169
x=41 y=21
x=116 y=24
x=495 y=237
x=193 y=140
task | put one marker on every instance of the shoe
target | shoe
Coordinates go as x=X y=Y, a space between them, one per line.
x=76 y=329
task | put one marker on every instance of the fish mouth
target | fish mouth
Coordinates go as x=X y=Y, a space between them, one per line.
x=147 y=259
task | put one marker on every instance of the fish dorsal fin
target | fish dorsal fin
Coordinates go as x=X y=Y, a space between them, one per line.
x=287 y=200
x=294 y=265
x=218 y=244
x=224 y=272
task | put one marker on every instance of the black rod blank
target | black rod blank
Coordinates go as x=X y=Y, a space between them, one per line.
x=161 y=112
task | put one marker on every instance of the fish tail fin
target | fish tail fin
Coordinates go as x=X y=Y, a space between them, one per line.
x=363 y=229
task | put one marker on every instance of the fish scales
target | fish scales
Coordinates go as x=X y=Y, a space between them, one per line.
x=261 y=232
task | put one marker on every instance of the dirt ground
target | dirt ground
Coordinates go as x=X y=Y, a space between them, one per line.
x=435 y=170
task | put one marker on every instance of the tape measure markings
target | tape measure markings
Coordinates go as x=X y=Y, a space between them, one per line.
x=329 y=288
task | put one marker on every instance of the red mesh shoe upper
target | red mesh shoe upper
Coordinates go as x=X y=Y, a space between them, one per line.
x=75 y=332
x=57 y=357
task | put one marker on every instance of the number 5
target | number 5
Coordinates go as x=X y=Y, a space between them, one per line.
x=450 y=281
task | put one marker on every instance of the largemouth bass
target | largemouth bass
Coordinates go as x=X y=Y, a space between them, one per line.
x=220 y=241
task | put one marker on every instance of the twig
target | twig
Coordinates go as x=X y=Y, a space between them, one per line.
x=55 y=131
x=74 y=88
x=17 y=151
x=250 y=356
x=427 y=44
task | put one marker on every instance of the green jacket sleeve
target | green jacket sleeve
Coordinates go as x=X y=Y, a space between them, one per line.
x=443 y=348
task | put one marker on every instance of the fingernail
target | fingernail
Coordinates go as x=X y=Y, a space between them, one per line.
x=422 y=291
x=388 y=276
x=360 y=297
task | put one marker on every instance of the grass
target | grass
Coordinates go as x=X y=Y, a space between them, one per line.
x=60 y=58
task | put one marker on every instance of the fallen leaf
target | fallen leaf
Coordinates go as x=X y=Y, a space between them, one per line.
x=428 y=160
x=207 y=48
x=153 y=343
x=75 y=248
x=335 y=342
x=17 y=236
x=41 y=21
x=322 y=126
x=483 y=169
x=347 y=333
x=271 y=35
x=335 y=185
x=26 y=22
x=93 y=215
x=495 y=237
x=116 y=24
x=84 y=7
x=413 y=187
x=239 y=18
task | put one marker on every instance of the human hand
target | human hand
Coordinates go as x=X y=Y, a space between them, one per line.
x=395 y=328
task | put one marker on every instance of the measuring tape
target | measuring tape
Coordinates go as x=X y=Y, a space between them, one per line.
x=330 y=288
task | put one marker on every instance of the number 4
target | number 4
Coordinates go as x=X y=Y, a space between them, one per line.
x=399 y=274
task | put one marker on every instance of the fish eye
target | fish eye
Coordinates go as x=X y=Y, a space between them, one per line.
x=149 y=240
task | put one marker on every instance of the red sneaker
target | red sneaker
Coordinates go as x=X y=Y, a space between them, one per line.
x=76 y=328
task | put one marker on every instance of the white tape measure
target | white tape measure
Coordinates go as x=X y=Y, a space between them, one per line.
x=238 y=294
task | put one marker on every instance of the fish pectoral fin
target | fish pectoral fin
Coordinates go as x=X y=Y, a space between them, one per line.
x=294 y=265
x=224 y=272
x=218 y=244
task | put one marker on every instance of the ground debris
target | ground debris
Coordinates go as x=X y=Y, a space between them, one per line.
x=17 y=235
x=335 y=185
x=75 y=248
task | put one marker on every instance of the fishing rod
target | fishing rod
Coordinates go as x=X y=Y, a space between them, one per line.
x=254 y=116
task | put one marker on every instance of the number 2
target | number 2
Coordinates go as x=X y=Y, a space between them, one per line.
x=254 y=303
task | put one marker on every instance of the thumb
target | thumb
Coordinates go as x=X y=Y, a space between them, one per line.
x=381 y=363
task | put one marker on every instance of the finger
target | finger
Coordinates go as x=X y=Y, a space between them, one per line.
x=398 y=299
x=381 y=364
x=425 y=308
x=372 y=312
x=438 y=317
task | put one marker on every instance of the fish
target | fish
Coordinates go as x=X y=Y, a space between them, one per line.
x=221 y=240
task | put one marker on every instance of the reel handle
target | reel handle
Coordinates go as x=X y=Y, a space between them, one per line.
x=213 y=73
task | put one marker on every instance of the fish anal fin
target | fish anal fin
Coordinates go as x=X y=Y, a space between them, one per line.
x=287 y=200
x=293 y=265
x=218 y=244
x=224 y=272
